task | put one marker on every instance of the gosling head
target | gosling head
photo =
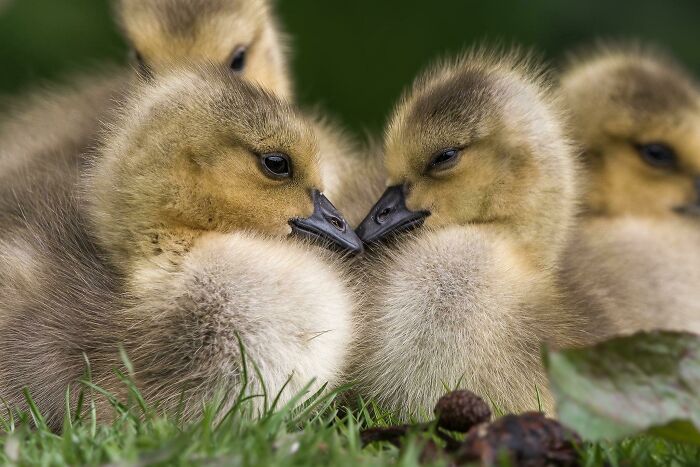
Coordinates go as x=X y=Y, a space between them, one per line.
x=477 y=142
x=242 y=35
x=201 y=150
x=636 y=114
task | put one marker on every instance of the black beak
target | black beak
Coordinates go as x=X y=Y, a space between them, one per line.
x=692 y=209
x=390 y=216
x=326 y=224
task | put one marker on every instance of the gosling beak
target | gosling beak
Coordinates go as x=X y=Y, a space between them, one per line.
x=327 y=225
x=692 y=209
x=390 y=216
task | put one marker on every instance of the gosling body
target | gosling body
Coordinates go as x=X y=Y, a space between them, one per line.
x=478 y=159
x=636 y=115
x=170 y=241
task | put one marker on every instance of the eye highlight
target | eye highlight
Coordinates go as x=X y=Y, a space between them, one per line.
x=444 y=160
x=238 y=60
x=657 y=155
x=276 y=165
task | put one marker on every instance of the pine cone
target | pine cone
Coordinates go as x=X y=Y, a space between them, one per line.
x=529 y=439
x=461 y=410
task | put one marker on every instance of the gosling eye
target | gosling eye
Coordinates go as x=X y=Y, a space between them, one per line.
x=238 y=60
x=444 y=160
x=657 y=155
x=276 y=165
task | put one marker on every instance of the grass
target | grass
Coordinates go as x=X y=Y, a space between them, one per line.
x=314 y=431
x=311 y=429
x=310 y=432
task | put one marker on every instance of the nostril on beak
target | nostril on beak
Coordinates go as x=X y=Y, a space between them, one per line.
x=382 y=215
x=336 y=222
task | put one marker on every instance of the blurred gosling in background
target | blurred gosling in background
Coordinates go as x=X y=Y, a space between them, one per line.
x=636 y=256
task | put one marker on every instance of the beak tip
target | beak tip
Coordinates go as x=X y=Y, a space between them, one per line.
x=358 y=250
x=389 y=216
x=328 y=225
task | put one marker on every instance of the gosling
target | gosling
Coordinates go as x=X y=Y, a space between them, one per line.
x=460 y=287
x=172 y=243
x=635 y=258
x=243 y=36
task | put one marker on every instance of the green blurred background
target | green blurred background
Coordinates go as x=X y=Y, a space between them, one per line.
x=354 y=57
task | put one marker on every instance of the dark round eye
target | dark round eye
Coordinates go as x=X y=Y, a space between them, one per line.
x=276 y=165
x=444 y=159
x=238 y=59
x=657 y=155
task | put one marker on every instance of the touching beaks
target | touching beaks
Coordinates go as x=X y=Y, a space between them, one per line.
x=390 y=216
x=327 y=225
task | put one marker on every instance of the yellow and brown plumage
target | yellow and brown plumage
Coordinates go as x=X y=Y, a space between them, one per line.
x=171 y=241
x=635 y=113
x=478 y=146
